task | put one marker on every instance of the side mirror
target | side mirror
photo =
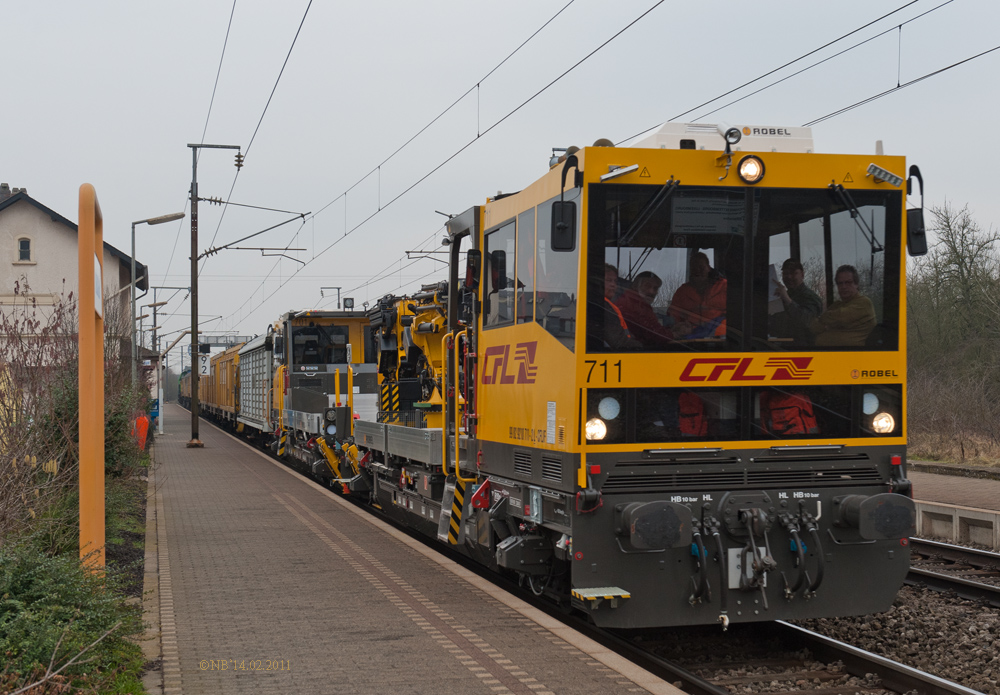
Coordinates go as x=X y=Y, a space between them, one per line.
x=916 y=233
x=563 y=226
x=473 y=263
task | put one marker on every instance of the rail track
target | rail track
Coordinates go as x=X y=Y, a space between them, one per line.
x=957 y=569
x=777 y=657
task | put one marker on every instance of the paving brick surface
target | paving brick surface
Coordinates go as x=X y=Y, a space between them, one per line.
x=956 y=489
x=257 y=565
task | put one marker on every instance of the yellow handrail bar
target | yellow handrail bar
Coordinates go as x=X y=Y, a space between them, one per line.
x=581 y=475
x=350 y=398
x=444 y=412
x=458 y=471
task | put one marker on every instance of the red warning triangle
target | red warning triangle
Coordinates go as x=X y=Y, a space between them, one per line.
x=848 y=179
x=644 y=174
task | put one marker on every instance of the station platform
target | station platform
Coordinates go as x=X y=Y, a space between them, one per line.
x=957 y=504
x=259 y=581
x=957 y=487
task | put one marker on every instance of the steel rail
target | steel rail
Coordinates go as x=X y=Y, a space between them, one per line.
x=859 y=662
x=945 y=582
x=956 y=553
x=964 y=588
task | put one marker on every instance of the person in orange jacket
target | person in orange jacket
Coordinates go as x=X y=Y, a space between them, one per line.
x=699 y=305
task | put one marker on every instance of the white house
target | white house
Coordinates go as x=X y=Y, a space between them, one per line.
x=39 y=244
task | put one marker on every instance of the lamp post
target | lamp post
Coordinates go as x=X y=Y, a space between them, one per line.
x=161 y=357
x=152 y=220
x=195 y=376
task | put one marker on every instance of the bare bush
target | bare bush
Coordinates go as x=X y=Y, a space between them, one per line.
x=953 y=309
x=38 y=409
x=39 y=436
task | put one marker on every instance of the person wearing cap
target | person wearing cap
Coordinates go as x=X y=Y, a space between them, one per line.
x=801 y=305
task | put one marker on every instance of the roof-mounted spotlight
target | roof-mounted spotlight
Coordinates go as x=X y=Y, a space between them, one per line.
x=751 y=169
x=732 y=136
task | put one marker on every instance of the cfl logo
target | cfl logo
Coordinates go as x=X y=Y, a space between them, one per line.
x=497 y=359
x=740 y=369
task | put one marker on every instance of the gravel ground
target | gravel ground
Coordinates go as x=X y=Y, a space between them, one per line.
x=952 y=638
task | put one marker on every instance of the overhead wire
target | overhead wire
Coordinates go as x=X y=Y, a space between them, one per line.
x=204 y=131
x=390 y=269
x=825 y=60
x=449 y=108
x=432 y=122
x=474 y=140
x=246 y=150
x=899 y=87
x=773 y=71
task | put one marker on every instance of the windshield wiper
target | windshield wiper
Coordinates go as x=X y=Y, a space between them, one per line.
x=848 y=202
x=647 y=212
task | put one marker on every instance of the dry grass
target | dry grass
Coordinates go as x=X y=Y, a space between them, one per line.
x=968 y=450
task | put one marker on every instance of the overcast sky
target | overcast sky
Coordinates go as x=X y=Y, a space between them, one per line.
x=111 y=93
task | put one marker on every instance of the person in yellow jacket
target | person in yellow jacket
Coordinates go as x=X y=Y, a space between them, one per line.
x=848 y=321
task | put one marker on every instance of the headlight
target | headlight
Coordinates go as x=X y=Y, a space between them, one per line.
x=331 y=415
x=331 y=430
x=870 y=403
x=596 y=429
x=883 y=423
x=608 y=408
x=751 y=169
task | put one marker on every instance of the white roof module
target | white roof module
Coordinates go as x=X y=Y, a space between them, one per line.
x=709 y=136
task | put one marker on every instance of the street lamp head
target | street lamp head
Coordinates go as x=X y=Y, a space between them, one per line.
x=164 y=218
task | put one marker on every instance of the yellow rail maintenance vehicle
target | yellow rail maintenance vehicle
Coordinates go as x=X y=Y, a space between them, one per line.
x=293 y=382
x=667 y=384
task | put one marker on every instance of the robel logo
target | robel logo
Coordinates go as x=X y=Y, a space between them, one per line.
x=497 y=358
x=766 y=131
x=741 y=369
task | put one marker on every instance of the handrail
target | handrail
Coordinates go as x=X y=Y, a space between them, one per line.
x=458 y=471
x=350 y=399
x=581 y=474
x=444 y=404
x=336 y=387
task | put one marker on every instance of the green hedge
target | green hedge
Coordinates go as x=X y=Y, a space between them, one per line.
x=50 y=605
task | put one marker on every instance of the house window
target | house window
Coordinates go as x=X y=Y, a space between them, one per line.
x=24 y=250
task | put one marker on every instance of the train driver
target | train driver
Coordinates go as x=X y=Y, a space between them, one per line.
x=848 y=321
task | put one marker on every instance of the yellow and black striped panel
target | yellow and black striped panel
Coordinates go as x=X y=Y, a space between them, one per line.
x=389 y=396
x=457 y=504
x=282 y=441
